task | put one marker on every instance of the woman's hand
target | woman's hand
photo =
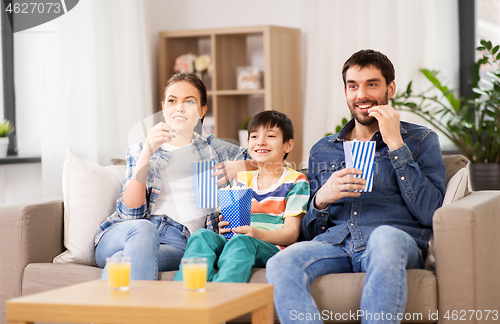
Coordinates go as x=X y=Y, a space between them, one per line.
x=158 y=135
x=227 y=170
x=223 y=224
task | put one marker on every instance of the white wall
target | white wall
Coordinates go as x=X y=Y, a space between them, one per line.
x=20 y=182
x=196 y=14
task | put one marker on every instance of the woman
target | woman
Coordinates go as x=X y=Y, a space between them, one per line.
x=155 y=212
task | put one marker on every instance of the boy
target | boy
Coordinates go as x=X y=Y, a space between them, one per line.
x=279 y=200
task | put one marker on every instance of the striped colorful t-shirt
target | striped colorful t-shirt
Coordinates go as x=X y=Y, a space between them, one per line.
x=287 y=197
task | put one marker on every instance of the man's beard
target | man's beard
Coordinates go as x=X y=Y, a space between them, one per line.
x=366 y=120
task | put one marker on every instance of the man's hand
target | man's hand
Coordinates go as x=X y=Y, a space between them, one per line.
x=339 y=185
x=249 y=231
x=388 y=122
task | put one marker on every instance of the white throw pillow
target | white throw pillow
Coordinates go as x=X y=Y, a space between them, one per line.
x=90 y=192
x=455 y=189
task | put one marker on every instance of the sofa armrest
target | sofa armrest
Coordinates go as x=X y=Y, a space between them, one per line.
x=467 y=241
x=29 y=232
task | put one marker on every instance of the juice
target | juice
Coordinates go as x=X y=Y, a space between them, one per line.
x=194 y=276
x=119 y=275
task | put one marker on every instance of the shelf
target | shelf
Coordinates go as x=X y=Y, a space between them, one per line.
x=273 y=50
x=240 y=92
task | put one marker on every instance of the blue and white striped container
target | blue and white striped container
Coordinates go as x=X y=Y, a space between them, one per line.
x=204 y=185
x=361 y=155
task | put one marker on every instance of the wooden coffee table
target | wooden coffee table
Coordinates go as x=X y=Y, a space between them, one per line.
x=145 y=302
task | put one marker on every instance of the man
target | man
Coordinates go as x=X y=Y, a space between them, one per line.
x=382 y=232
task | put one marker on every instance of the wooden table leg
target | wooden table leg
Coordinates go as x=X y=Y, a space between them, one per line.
x=263 y=315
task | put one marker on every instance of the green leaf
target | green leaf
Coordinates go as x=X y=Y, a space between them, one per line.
x=498 y=57
x=483 y=42
x=479 y=91
x=495 y=49
x=431 y=76
x=408 y=88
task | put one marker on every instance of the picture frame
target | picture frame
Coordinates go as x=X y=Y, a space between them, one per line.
x=248 y=78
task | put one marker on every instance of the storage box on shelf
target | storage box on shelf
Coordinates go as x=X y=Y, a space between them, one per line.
x=275 y=50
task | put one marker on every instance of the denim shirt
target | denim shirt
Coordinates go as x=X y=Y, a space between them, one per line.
x=408 y=186
x=206 y=148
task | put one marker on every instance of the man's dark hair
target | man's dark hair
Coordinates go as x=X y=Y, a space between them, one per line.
x=365 y=58
x=270 y=119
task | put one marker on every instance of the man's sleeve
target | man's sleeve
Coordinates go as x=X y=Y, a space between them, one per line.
x=315 y=220
x=421 y=178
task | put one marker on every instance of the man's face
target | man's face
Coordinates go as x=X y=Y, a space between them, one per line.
x=366 y=88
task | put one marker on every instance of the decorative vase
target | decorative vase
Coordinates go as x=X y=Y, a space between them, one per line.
x=4 y=145
x=243 y=136
x=485 y=176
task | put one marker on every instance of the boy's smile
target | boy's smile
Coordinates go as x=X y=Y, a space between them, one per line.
x=265 y=145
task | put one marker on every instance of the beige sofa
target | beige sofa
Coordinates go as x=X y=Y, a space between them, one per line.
x=466 y=276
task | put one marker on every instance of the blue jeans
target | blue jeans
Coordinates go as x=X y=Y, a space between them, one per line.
x=388 y=254
x=153 y=245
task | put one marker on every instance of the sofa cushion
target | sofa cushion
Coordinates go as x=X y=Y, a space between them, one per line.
x=456 y=188
x=90 y=192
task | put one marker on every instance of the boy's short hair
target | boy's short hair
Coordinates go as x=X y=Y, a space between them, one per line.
x=369 y=57
x=270 y=119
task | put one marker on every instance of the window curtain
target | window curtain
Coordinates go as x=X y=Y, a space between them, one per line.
x=413 y=34
x=85 y=81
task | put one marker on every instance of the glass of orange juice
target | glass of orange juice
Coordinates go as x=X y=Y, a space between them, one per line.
x=194 y=273
x=118 y=272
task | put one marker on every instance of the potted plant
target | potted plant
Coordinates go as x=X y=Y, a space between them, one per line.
x=472 y=124
x=5 y=129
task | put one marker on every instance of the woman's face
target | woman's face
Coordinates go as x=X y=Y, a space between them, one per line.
x=182 y=108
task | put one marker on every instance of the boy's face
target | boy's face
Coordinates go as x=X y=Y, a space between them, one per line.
x=266 y=145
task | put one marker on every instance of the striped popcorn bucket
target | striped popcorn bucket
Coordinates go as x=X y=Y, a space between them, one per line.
x=235 y=207
x=204 y=185
x=361 y=155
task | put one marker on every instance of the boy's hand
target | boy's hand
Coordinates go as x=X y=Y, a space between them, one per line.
x=223 y=224
x=250 y=231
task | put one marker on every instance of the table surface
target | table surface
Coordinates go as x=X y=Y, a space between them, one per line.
x=145 y=302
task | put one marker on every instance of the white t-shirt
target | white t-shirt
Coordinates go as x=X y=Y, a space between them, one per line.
x=176 y=198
